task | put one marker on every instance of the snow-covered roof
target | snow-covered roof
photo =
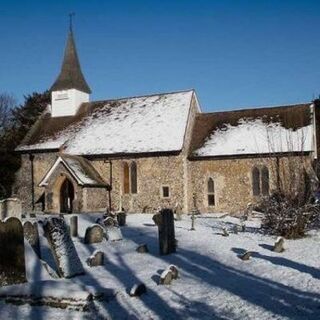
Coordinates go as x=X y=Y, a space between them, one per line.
x=80 y=169
x=155 y=123
x=256 y=131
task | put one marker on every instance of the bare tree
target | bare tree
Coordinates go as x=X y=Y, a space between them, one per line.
x=7 y=102
x=290 y=208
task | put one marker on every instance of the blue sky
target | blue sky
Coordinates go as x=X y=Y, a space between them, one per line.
x=234 y=53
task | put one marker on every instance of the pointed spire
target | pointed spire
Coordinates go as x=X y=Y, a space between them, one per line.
x=70 y=76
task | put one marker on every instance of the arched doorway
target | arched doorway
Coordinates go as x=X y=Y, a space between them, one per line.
x=66 y=196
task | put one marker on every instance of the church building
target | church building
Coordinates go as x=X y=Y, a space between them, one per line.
x=145 y=152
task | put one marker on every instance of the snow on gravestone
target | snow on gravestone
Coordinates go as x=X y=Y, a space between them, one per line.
x=112 y=229
x=94 y=234
x=12 y=261
x=62 y=247
x=10 y=207
x=31 y=233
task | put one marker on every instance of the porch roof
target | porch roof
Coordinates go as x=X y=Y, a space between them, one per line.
x=80 y=169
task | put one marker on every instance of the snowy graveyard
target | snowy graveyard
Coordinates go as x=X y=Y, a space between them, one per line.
x=206 y=278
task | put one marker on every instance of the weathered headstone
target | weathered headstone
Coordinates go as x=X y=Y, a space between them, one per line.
x=174 y=270
x=10 y=207
x=96 y=259
x=225 y=232
x=113 y=231
x=142 y=248
x=31 y=233
x=178 y=211
x=166 y=277
x=278 y=245
x=121 y=218
x=12 y=261
x=137 y=290
x=165 y=222
x=74 y=226
x=94 y=234
x=246 y=256
x=62 y=247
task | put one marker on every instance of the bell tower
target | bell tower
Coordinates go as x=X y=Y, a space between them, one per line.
x=70 y=89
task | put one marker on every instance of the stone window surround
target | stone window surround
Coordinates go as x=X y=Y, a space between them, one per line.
x=260 y=168
x=207 y=193
x=129 y=163
x=161 y=191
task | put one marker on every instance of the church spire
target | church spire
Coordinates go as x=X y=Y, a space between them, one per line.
x=70 y=76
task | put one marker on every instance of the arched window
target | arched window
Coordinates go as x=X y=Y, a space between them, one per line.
x=255 y=181
x=211 y=197
x=265 y=181
x=125 y=178
x=133 y=171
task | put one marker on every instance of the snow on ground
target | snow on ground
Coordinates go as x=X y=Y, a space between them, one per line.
x=256 y=136
x=214 y=283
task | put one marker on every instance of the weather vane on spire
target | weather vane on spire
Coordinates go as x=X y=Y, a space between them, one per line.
x=71 y=15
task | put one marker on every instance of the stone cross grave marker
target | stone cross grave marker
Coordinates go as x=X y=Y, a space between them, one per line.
x=31 y=233
x=12 y=260
x=62 y=247
x=165 y=222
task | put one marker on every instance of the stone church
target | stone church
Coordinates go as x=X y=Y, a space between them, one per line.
x=143 y=152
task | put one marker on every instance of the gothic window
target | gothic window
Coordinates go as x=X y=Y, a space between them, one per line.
x=211 y=197
x=133 y=177
x=125 y=178
x=255 y=181
x=265 y=181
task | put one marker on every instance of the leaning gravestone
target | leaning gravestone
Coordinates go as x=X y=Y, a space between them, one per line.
x=165 y=222
x=31 y=233
x=12 y=261
x=112 y=229
x=96 y=259
x=94 y=234
x=62 y=247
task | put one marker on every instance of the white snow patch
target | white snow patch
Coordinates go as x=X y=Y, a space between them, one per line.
x=256 y=136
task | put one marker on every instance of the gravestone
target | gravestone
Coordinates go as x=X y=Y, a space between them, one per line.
x=174 y=270
x=113 y=231
x=62 y=247
x=74 y=226
x=121 y=218
x=142 y=248
x=278 y=245
x=31 y=233
x=137 y=290
x=12 y=260
x=10 y=207
x=96 y=259
x=166 y=277
x=165 y=222
x=94 y=234
x=246 y=256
